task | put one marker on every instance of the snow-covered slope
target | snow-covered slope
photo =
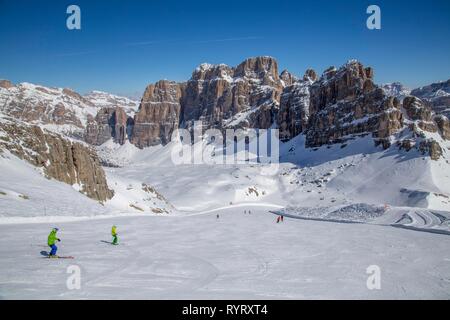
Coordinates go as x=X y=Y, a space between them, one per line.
x=236 y=256
x=57 y=109
x=26 y=194
x=103 y=99
x=396 y=89
x=341 y=174
x=60 y=110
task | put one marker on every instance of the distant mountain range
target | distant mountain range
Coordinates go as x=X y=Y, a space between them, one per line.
x=340 y=105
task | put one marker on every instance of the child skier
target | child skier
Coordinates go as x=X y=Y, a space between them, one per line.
x=51 y=242
x=114 y=235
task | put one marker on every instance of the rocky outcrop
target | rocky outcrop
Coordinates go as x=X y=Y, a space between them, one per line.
x=109 y=122
x=345 y=103
x=416 y=109
x=418 y=112
x=61 y=159
x=158 y=115
x=6 y=84
x=310 y=75
x=443 y=124
x=287 y=78
x=430 y=147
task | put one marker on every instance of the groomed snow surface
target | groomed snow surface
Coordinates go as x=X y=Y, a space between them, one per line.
x=347 y=207
x=235 y=256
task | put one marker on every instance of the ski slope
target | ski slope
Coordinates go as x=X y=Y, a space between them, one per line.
x=346 y=209
x=235 y=256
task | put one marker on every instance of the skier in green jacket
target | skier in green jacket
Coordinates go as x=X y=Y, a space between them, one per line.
x=114 y=235
x=51 y=242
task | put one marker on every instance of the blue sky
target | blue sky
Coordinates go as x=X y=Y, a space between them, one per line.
x=125 y=45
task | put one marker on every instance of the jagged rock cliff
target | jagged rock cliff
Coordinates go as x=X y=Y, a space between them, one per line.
x=109 y=122
x=158 y=115
x=345 y=103
x=221 y=96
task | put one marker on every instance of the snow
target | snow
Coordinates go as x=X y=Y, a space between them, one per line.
x=347 y=206
x=238 y=256
x=27 y=195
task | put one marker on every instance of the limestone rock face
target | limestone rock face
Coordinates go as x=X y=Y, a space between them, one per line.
x=61 y=159
x=346 y=103
x=293 y=115
x=443 y=124
x=311 y=75
x=109 y=122
x=158 y=115
x=219 y=95
x=287 y=78
x=241 y=97
x=417 y=111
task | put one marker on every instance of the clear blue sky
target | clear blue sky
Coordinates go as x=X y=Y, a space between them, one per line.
x=125 y=45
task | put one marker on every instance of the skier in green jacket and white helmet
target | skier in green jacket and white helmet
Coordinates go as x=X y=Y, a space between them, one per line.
x=52 y=238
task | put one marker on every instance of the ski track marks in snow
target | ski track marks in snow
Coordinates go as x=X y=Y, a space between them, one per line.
x=239 y=255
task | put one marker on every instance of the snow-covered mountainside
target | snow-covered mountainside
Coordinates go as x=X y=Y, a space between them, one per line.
x=107 y=100
x=57 y=109
x=396 y=89
x=60 y=110
x=437 y=94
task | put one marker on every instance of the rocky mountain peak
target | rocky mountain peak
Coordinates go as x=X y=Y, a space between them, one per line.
x=262 y=68
x=310 y=75
x=6 y=84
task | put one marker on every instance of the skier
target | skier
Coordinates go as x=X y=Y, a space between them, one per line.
x=282 y=218
x=51 y=242
x=278 y=219
x=114 y=235
x=217 y=216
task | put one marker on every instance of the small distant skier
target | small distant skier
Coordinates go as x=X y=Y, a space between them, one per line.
x=278 y=219
x=217 y=216
x=52 y=238
x=282 y=218
x=114 y=235
x=249 y=212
